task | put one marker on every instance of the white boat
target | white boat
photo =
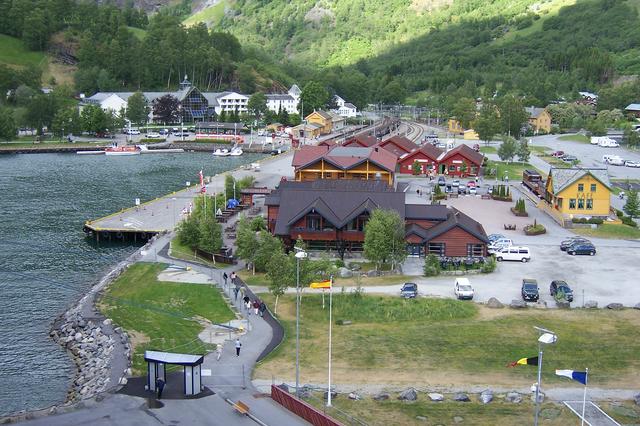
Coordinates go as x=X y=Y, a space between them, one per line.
x=221 y=152
x=122 y=150
x=235 y=152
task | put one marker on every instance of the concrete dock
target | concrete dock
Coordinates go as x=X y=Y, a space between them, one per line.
x=139 y=223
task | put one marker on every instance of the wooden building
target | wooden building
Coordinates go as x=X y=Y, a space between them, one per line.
x=461 y=161
x=323 y=162
x=398 y=145
x=322 y=119
x=539 y=119
x=426 y=156
x=578 y=192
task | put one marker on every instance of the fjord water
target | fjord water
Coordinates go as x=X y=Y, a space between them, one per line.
x=46 y=263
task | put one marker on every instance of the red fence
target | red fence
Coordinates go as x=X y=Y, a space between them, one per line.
x=301 y=408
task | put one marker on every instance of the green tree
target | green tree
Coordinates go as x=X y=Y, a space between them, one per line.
x=40 y=111
x=137 y=108
x=384 y=238
x=8 y=127
x=596 y=127
x=632 y=206
x=257 y=105
x=314 y=96
x=210 y=235
x=166 y=109
x=464 y=110
x=281 y=276
x=487 y=125
x=189 y=232
x=36 y=32
x=631 y=137
x=267 y=245
x=416 y=168
x=523 y=152
x=230 y=186
x=66 y=121
x=246 y=241
x=507 y=149
x=94 y=119
x=512 y=115
x=432 y=266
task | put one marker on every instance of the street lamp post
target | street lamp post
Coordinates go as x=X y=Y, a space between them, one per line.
x=546 y=337
x=330 y=324
x=300 y=254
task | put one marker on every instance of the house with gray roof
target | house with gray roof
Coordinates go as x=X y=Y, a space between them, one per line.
x=578 y=191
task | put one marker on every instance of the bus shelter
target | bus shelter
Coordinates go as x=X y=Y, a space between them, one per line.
x=191 y=369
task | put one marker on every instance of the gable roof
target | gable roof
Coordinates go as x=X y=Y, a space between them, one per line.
x=335 y=117
x=431 y=151
x=349 y=105
x=401 y=145
x=344 y=157
x=426 y=211
x=338 y=201
x=534 y=112
x=561 y=178
x=633 y=107
x=361 y=140
x=464 y=150
x=321 y=113
x=458 y=219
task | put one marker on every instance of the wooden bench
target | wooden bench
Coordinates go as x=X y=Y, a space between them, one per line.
x=241 y=408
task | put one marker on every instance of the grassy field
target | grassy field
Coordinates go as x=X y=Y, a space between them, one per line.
x=496 y=413
x=161 y=315
x=607 y=230
x=453 y=343
x=513 y=170
x=180 y=251
x=14 y=52
x=261 y=280
x=539 y=149
x=209 y=15
x=575 y=138
x=488 y=149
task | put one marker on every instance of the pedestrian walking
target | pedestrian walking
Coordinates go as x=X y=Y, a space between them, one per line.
x=235 y=293
x=218 y=352
x=262 y=308
x=247 y=304
x=159 y=386
x=238 y=346
x=256 y=306
x=233 y=277
x=242 y=291
x=224 y=277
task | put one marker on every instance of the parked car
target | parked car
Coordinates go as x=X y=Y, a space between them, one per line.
x=152 y=135
x=462 y=189
x=455 y=183
x=494 y=237
x=163 y=132
x=181 y=134
x=448 y=188
x=473 y=190
x=558 y=154
x=131 y=132
x=442 y=181
x=569 y=158
x=521 y=254
x=476 y=147
x=582 y=248
x=559 y=286
x=630 y=163
x=462 y=289
x=530 y=291
x=616 y=161
x=472 y=184
x=565 y=244
x=409 y=290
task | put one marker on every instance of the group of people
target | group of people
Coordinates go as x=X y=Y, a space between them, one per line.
x=257 y=305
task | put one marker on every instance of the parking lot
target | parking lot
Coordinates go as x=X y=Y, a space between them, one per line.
x=606 y=277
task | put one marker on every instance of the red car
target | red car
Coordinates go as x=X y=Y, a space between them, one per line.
x=471 y=183
x=558 y=154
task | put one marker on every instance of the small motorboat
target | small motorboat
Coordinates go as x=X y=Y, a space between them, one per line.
x=122 y=150
x=221 y=152
x=235 y=152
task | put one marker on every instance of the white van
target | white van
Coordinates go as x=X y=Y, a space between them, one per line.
x=518 y=253
x=614 y=160
x=462 y=289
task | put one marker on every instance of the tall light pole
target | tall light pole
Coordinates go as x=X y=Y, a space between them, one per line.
x=300 y=254
x=546 y=337
x=330 y=324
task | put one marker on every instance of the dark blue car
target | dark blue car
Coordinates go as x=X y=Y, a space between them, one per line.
x=582 y=248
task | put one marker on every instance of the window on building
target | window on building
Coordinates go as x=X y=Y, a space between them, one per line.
x=572 y=203
x=436 y=248
x=581 y=187
x=580 y=203
x=589 y=204
x=593 y=187
x=475 y=250
x=452 y=168
x=313 y=222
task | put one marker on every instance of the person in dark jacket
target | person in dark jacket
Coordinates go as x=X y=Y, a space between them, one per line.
x=225 y=277
x=159 y=387
x=262 y=308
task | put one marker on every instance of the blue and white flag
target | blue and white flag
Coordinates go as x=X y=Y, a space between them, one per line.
x=580 y=376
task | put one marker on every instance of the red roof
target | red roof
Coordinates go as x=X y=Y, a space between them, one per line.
x=431 y=151
x=328 y=142
x=345 y=157
x=467 y=152
x=361 y=140
x=307 y=154
x=398 y=145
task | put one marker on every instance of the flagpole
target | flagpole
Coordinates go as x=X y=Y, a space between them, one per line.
x=538 y=386
x=584 y=396
x=330 y=324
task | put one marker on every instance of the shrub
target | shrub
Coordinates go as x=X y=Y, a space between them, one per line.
x=619 y=213
x=628 y=221
x=520 y=206
x=431 y=266
x=339 y=263
x=595 y=221
x=489 y=265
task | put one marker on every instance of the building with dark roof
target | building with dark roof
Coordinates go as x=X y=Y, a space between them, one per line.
x=339 y=162
x=398 y=145
x=332 y=214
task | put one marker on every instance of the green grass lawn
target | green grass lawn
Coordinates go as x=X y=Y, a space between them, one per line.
x=453 y=343
x=14 y=52
x=496 y=413
x=575 y=138
x=513 y=170
x=539 y=149
x=607 y=230
x=210 y=15
x=488 y=149
x=180 y=251
x=261 y=280
x=162 y=315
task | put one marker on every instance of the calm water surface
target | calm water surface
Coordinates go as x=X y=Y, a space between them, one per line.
x=46 y=263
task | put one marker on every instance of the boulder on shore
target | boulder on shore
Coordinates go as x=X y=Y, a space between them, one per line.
x=517 y=304
x=514 y=397
x=486 y=396
x=615 y=306
x=494 y=303
x=382 y=396
x=408 y=395
x=436 y=397
x=461 y=397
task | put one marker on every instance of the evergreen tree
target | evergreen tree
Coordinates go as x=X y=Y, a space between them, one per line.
x=384 y=238
x=137 y=108
x=507 y=149
x=632 y=206
x=488 y=123
x=523 y=152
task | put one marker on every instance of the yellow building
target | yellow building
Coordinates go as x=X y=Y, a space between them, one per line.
x=539 y=119
x=455 y=126
x=471 y=135
x=321 y=118
x=579 y=191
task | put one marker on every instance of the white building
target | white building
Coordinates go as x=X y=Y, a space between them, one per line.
x=227 y=101
x=345 y=109
x=285 y=101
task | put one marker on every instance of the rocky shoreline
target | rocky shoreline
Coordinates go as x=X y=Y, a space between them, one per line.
x=100 y=351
